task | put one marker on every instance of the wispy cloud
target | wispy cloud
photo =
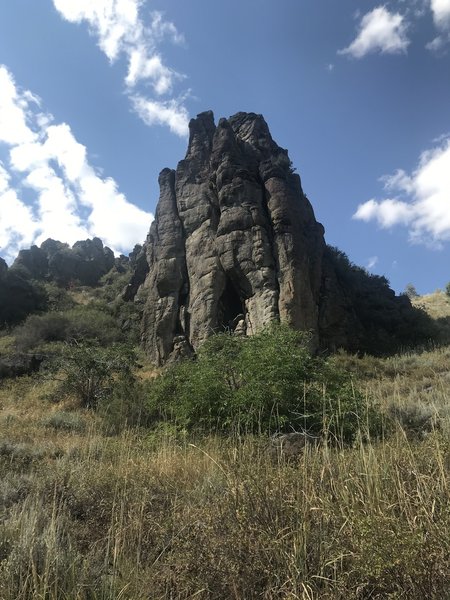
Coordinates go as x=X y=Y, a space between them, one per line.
x=171 y=113
x=372 y=261
x=419 y=201
x=71 y=200
x=120 y=31
x=379 y=31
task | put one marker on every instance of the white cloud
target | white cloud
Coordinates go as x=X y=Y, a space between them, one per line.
x=424 y=207
x=171 y=113
x=17 y=227
x=441 y=13
x=388 y=212
x=141 y=67
x=114 y=22
x=373 y=260
x=4 y=179
x=72 y=201
x=379 y=31
x=13 y=123
x=437 y=44
x=121 y=31
x=441 y=17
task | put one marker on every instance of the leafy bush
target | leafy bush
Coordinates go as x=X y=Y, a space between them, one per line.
x=266 y=383
x=37 y=329
x=91 y=323
x=416 y=420
x=58 y=299
x=81 y=323
x=125 y=405
x=410 y=291
x=89 y=372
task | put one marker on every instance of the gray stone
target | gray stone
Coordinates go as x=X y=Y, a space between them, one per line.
x=233 y=236
x=235 y=246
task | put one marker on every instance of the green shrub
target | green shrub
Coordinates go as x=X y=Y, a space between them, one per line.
x=57 y=298
x=416 y=420
x=89 y=372
x=269 y=382
x=410 y=291
x=81 y=323
x=37 y=329
x=92 y=323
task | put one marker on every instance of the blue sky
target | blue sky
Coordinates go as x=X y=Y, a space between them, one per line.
x=95 y=97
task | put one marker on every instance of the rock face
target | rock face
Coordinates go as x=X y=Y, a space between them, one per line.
x=235 y=245
x=55 y=261
x=234 y=242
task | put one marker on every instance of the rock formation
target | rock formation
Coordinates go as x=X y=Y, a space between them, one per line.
x=55 y=261
x=235 y=245
x=18 y=296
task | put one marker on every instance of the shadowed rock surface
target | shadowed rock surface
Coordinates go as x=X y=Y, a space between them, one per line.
x=85 y=262
x=235 y=245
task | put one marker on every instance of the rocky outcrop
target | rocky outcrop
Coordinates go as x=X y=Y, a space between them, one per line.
x=235 y=245
x=18 y=295
x=234 y=240
x=15 y=365
x=55 y=261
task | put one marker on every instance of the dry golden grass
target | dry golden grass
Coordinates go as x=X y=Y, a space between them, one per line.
x=83 y=297
x=155 y=515
x=437 y=305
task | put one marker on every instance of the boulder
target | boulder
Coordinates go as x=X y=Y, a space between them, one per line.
x=18 y=364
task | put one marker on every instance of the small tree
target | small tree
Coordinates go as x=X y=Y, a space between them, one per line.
x=89 y=372
x=411 y=291
x=447 y=289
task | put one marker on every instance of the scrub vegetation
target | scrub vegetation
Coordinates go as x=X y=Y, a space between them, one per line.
x=120 y=481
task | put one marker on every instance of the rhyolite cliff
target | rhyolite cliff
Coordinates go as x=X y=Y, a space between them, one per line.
x=235 y=246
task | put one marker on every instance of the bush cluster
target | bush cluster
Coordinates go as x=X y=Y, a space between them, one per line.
x=80 y=323
x=269 y=382
x=90 y=372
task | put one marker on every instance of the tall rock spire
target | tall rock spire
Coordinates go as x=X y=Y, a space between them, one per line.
x=235 y=245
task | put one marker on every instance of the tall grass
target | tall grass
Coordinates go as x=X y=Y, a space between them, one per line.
x=141 y=515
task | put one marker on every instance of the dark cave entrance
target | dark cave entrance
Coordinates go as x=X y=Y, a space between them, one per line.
x=182 y=322
x=231 y=306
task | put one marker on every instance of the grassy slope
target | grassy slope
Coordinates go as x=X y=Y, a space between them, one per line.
x=437 y=304
x=152 y=515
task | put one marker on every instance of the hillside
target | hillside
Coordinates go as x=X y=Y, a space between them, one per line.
x=437 y=305
x=119 y=502
x=162 y=514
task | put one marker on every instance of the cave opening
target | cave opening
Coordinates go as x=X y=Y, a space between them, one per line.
x=231 y=306
x=183 y=318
